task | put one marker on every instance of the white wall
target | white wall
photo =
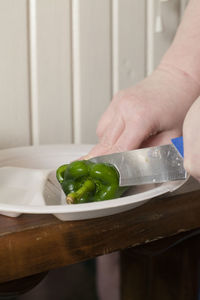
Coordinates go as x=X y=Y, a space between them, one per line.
x=62 y=60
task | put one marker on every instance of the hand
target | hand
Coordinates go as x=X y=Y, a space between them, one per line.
x=191 y=139
x=150 y=113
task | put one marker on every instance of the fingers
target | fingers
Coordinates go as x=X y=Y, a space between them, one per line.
x=191 y=139
x=109 y=137
x=105 y=120
x=108 y=116
x=113 y=131
x=122 y=136
x=131 y=138
x=144 y=115
x=130 y=125
x=161 y=138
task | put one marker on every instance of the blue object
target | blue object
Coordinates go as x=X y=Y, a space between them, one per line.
x=178 y=143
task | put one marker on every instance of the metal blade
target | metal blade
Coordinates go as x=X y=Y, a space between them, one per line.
x=146 y=166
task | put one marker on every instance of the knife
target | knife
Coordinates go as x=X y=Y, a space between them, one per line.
x=148 y=165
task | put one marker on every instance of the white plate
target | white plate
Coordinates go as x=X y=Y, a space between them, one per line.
x=51 y=157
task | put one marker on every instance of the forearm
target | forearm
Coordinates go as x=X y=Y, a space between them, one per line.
x=192 y=140
x=171 y=91
x=184 y=53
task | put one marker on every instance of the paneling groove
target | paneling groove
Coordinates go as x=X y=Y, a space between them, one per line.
x=129 y=34
x=76 y=71
x=183 y=4
x=159 y=39
x=33 y=72
x=170 y=13
x=115 y=46
x=92 y=65
x=150 y=29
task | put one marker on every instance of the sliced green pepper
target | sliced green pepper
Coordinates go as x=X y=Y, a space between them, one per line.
x=83 y=181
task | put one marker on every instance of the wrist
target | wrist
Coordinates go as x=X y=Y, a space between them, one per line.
x=169 y=93
x=169 y=84
x=184 y=53
x=187 y=89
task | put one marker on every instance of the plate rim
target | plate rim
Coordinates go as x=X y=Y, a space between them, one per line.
x=117 y=203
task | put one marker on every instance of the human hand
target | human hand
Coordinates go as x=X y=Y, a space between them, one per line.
x=150 y=113
x=191 y=138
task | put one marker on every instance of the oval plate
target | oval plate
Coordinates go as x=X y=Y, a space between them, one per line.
x=51 y=157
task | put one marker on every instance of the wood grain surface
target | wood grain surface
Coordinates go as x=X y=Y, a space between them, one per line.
x=33 y=244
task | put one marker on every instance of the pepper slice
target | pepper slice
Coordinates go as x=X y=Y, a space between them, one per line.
x=83 y=181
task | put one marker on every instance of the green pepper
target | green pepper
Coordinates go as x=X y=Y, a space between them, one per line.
x=84 y=181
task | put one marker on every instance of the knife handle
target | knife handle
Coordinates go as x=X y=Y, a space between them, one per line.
x=178 y=143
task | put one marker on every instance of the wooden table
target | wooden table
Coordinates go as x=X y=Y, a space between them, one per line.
x=32 y=244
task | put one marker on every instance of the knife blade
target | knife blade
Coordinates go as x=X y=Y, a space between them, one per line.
x=148 y=165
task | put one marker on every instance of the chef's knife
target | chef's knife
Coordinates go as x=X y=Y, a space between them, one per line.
x=148 y=165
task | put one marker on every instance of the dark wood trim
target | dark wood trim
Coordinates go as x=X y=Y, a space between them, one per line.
x=167 y=269
x=33 y=244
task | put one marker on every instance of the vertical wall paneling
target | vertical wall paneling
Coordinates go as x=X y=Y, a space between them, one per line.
x=150 y=29
x=62 y=61
x=91 y=65
x=129 y=42
x=14 y=92
x=183 y=4
x=76 y=65
x=33 y=72
x=170 y=14
x=53 y=93
x=115 y=46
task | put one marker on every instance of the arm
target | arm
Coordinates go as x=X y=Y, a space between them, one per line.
x=152 y=112
x=184 y=53
x=191 y=138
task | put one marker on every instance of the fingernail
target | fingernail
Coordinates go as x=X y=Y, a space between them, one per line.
x=86 y=157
